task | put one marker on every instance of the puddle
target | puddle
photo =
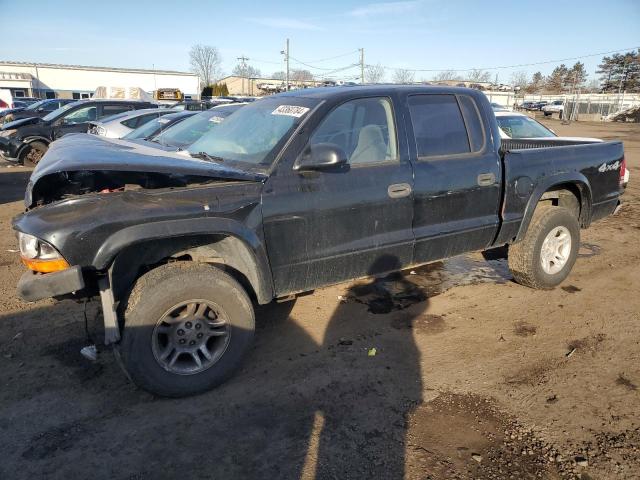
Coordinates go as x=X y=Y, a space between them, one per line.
x=398 y=291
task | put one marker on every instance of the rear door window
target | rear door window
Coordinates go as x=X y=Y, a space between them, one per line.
x=139 y=120
x=473 y=122
x=438 y=125
x=108 y=110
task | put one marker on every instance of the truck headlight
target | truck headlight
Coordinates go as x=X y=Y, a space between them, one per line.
x=39 y=255
x=8 y=133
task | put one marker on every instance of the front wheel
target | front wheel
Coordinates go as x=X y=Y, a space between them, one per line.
x=546 y=254
x=187 y=328
x=34 y=152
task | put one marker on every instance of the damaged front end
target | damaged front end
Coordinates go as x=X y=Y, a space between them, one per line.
x=63 y=185
x=81 y=163
x=90 y=199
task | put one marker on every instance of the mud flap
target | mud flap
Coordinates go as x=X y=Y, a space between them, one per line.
x=111 y=327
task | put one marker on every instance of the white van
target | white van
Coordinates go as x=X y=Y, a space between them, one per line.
x=6 y=99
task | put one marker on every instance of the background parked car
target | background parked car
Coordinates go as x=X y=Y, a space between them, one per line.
x=28 y=139
x=36 y=109
x=8 y=101
x=119 y=125
x=158 y=125
x=556 y=106
x=518 y=125
x=188 y=131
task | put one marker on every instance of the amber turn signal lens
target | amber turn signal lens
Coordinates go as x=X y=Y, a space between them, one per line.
x=45 y=266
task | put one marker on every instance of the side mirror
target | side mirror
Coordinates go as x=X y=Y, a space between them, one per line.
x=321 y=156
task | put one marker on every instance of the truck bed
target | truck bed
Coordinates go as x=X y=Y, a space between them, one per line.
x=532 y=167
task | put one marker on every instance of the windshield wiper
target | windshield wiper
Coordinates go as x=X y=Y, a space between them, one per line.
x=207 y=157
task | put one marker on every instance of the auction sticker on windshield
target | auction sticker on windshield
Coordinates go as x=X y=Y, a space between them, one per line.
x=216 y=119
x=290 y=111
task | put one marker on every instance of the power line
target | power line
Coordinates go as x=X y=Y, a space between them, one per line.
x=314 y=67
x=333 y=58
x=508 y=66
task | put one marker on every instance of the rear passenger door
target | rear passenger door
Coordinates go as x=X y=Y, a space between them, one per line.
x=457 y=176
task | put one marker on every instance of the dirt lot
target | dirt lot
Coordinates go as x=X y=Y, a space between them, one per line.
x=473 y=376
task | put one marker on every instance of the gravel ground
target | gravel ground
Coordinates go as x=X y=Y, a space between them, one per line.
x=473 y=376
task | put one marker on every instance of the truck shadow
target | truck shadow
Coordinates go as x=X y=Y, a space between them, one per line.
x=312 y=401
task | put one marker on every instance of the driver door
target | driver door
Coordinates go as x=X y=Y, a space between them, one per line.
x=76 y=121
x=330 y=225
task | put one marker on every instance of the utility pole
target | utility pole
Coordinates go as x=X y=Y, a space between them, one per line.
x=243 y=62
x=285 y=52
x=361 y=65
x=35 y=65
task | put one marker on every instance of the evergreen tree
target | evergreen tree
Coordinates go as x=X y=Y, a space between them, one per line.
x=576 y=76
x=556 y=81
x=620 y=71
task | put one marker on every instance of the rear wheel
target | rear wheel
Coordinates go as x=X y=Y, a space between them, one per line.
x=187 y=328
x=547 y=253
x=33 y=153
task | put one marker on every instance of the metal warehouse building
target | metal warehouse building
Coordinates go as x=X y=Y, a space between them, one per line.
x=48 y=80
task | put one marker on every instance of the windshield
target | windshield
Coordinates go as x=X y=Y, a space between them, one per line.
x=255 y=133
x=34 y=106
x=56 y=113
x=523 y=127
x=188 y=131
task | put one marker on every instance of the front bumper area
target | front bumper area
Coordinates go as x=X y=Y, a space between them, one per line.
x=36 y=286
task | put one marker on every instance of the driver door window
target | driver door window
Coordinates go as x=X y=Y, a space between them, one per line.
x=82 y=115
x=363 y=128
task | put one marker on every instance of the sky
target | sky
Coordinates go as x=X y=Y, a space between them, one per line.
x=326 y=35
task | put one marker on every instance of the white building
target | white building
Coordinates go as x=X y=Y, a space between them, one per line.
x=48 y=80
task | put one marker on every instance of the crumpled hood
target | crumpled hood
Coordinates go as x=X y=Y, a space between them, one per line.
x=83 y=152
x=21 y=123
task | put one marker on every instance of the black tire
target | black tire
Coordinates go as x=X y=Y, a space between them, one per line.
x=33 y=153
x=525 y=256
x=153 y=296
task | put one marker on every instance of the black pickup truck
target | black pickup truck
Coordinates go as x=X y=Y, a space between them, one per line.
x=290 y=193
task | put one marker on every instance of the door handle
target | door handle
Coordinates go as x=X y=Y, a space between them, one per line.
x=399 y=190
x=486 y=179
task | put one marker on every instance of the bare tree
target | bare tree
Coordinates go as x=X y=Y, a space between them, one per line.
x=593 y=86
x=245 y=71
x=374 y=73
x=205 y=62
x=520 y=79
x=403 y=76
x=445 y=75
x=279 y=75
x=478 y=75
x=301 y=76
